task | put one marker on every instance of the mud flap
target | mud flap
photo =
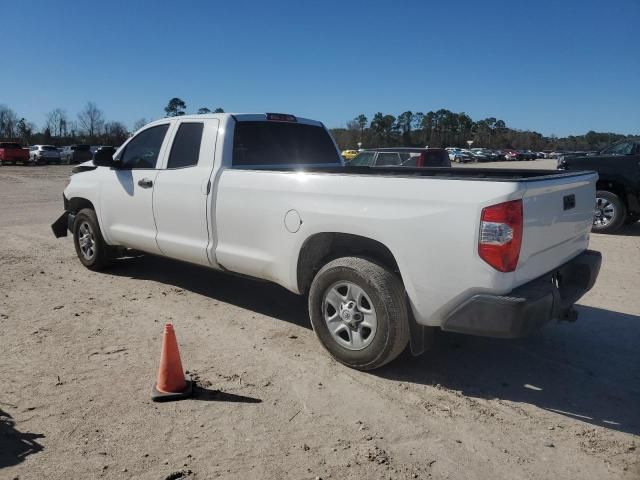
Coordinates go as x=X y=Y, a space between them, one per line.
x=61 y=225
x=420 y=337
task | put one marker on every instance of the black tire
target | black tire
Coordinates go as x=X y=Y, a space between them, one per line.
x=388 y=298
x=618 y=209
x=102 y=255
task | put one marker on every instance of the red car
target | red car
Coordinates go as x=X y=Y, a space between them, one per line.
x=12 y=152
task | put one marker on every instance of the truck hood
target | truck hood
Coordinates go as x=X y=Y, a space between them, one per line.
x=84 y=167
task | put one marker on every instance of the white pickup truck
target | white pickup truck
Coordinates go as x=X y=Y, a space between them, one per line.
x=385 y=255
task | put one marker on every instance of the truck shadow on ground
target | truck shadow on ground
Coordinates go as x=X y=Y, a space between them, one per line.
x=632 y=230
x=15 y=446
x=588 y=371
x=261 y=297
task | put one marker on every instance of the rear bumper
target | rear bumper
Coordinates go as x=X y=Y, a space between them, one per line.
x=530 y=306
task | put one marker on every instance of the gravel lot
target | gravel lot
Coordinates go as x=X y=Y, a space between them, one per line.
x=79 y=352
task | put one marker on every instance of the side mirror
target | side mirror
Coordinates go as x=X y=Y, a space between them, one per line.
x=104 y=157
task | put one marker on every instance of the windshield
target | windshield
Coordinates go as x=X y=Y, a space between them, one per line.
x=257 y=143
x=9 y=145
x=48 y=147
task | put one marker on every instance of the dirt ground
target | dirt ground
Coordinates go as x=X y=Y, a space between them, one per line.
x=79 y=352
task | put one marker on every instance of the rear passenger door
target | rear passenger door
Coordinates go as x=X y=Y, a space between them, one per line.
x=183 y=191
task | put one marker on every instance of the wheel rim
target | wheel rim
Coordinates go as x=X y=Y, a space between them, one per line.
x=604 y=213
x=349 y=315
x=86 y=241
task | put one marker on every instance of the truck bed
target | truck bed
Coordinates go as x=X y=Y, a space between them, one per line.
x=480 y=174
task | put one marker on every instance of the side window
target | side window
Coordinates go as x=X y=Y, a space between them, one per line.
x=363 y=159
x=185 y=150
x=623 y=148
x=387 y=159
x=142 y=151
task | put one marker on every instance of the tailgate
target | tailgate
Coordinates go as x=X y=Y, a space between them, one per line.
x=15 y=154
x=558 y=215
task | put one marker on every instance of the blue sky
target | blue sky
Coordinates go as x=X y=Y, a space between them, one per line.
x=559 y=67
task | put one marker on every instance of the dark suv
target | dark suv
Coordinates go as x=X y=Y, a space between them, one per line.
x=401 y=157
x=76 y=154
x=618 y=187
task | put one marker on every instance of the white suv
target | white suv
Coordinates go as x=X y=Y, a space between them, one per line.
x=44 y=154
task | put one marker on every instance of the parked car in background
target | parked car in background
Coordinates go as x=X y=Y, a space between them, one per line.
x=618 y=186
x=44 y=154
x=401 y=157
x=100 y=148
x=485 y=155
x=511 y=155
x=76 y=154
x=526 y=154
x=349 y=154
x=459 y=156
x=12 y=153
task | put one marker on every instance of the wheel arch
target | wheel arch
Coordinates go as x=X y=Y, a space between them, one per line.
x=75 y=204
x=321 y=248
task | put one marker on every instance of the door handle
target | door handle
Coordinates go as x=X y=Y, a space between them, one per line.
x=145 y=183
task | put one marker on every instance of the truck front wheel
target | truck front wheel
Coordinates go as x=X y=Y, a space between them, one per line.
x=358 y=311
x=610 y=212
x=91 y=248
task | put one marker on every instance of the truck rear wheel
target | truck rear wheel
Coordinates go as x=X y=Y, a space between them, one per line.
x=91 y=248
x=610 y=212
x=358 y=311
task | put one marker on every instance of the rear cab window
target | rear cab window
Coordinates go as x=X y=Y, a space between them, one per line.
x=259 y=144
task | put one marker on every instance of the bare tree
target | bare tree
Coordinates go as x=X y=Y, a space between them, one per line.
x=115 y=133
x=139 y=124
x=57 y=122
x=8 y=122
x=91 y=119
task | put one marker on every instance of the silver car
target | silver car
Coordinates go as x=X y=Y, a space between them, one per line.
x=44 y=154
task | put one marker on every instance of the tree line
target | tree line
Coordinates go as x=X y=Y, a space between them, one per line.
x=444 y=128
x=441 y=128
x=88 y=126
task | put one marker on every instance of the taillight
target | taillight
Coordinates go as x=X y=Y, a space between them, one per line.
x=501 y=235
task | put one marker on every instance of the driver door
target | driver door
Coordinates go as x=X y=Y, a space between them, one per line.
x=127 y=191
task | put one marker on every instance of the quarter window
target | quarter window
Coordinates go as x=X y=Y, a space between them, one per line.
x=387 y=159
x=143 y=150
x=185 y=150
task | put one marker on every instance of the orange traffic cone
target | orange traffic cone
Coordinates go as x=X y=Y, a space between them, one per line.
x=171 y=384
